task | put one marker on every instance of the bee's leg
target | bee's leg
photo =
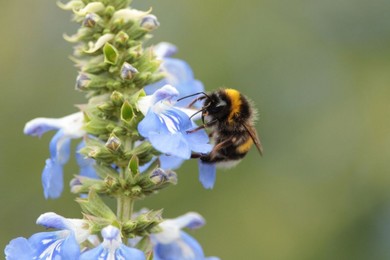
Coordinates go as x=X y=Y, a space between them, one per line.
x=219 y=147
x=195 y=100
x=196 y=155
x=201 y=126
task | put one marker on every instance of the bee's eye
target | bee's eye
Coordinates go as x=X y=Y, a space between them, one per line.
x=217 y=107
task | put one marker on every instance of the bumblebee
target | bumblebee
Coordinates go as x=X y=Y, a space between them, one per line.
x=229 y=116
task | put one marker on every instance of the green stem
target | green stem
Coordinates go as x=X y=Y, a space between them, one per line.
x=124 y=208
x=125 y=203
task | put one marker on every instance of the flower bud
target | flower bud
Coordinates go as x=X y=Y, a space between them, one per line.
x=113 y=143
x=117 y=98
x=158 y=176
x=82 y=81
x=121 y=37
x=149 y=22
x=128 y=71
x=90 y=20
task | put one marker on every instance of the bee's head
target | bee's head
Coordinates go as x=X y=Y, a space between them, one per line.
x=216 y=106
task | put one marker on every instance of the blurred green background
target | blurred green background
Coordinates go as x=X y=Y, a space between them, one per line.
x=319 y=74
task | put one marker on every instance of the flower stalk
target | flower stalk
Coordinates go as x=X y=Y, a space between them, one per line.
x=133 y=135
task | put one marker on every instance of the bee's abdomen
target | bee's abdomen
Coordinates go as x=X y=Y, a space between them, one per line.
x=236 y=151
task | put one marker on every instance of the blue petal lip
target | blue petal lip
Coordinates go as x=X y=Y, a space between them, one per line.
x=170 y=162
x=60 y=147
x=173 y=140
x=86 y=165
x=207 y=174
x=185 y=247
x=52 y=179
x=19 y=249
x=66 y=246
x=151 y=123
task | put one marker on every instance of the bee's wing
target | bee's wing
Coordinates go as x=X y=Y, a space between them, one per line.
x=253 y=133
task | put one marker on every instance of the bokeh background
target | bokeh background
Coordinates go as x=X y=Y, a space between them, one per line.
x=319 y=74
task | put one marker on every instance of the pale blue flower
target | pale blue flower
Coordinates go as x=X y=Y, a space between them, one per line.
x=112 y=248
x=69 y=127
x=177 y=74
x=61 y=244
x=166 y=126
x=174 y=244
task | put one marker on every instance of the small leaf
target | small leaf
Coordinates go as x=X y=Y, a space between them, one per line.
x=110 y=54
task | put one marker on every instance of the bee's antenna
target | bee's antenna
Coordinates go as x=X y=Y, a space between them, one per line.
x=193 y=95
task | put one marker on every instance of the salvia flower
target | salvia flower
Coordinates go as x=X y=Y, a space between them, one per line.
x=68 y=127
x=177 y=73
x=166 y=126
x=112 y=248
x=60 y=244
x=172 y=243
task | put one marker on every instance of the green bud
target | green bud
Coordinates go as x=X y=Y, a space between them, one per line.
x=81 y=184
x=133 y=165
x=119 y=131
x=92 y=82
x=110 y=10
x=101 y=154
x=110 y=54
x=121 y=38
x=117 y=98
x=127 y=113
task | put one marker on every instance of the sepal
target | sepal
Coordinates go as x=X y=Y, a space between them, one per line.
x=143 y=225
x=94 y=206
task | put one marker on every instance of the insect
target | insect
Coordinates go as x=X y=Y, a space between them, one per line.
x=229 y=116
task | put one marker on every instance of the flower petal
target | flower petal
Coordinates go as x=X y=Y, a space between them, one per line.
x=55 y=245
x=170 y=162
x=52 y=179
x=100 y=42
x=19 y=249
x=86 y=164
x=60 y=148
x=112 y=248
x=207 y=174
x=164 y=49
x=78 y=227
x=52 y=220
x=72 y=125
x=190 y=220
x=186 y=248
x=178 y=74
x=166 y=93
x=39 y=126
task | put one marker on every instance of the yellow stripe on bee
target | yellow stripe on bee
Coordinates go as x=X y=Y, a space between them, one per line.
x=235 y=99
x=243 y=148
